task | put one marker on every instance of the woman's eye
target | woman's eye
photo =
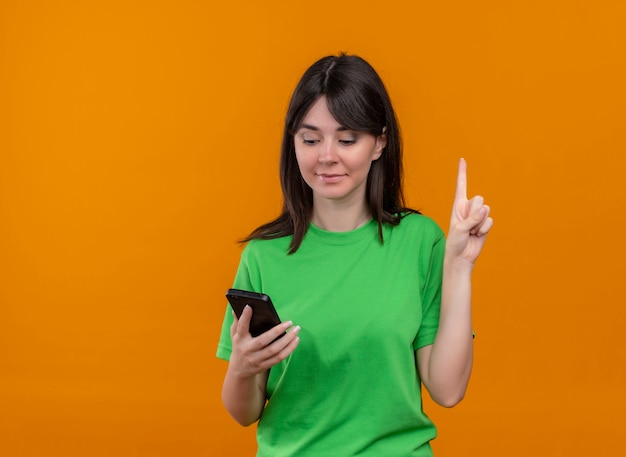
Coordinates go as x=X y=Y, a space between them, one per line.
x=347 y=142
x=308 y=141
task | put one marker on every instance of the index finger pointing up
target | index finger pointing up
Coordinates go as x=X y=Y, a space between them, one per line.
x=461 y=181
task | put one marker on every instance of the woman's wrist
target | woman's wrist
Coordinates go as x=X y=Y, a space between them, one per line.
x=457 y=265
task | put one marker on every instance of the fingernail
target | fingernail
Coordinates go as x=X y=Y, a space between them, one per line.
x=287 y=324
x=296 y=329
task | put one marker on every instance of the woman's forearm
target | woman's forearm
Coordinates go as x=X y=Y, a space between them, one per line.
x=244 y=397
x=451 y=358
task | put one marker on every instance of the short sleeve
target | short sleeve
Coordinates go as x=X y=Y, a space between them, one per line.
x=431 y=293
x=242 y=281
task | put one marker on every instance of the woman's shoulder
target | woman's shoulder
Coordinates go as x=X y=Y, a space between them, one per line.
x=260 y=246
x=417 y=222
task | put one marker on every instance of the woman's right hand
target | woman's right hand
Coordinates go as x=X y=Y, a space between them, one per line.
x=254 y=355
x=244 y=387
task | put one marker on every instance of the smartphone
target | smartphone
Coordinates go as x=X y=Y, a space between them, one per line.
x=264 y=315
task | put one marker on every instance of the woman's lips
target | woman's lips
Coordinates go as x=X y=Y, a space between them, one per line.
x=330 y=178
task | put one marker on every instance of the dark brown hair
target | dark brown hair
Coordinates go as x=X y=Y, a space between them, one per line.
x=358 y=100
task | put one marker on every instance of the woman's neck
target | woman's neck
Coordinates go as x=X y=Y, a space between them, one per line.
x=340 y=218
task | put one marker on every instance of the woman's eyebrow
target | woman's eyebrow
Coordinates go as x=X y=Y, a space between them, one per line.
x=341 y=128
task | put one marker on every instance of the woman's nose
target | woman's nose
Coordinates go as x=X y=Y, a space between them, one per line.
x=328 y=152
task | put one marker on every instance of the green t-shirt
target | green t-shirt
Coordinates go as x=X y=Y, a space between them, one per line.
x=351 y=386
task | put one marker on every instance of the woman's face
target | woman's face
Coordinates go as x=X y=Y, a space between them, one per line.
x=334 y=161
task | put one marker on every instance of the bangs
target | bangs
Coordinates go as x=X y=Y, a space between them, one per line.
x=349 y=108
x=355 y=107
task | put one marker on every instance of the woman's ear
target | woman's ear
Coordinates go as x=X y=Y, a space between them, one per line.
x=381 y=142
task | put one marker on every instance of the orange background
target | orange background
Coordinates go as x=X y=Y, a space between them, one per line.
x=139 y=141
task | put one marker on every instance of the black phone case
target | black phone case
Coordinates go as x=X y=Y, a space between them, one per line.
x=264 y=315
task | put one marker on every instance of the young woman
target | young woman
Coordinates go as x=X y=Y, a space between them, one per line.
x=375 y=300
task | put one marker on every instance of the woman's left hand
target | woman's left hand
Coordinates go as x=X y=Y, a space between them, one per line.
x=469 y=223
